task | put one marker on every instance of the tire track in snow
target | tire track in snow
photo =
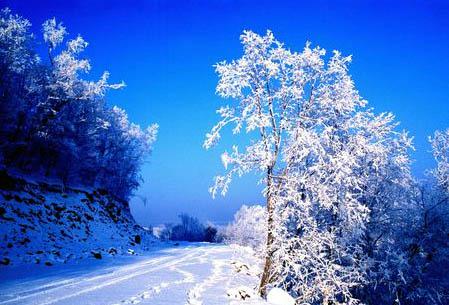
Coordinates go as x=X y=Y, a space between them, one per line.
x=76 y=280
x=107 y=280
x=188 y=277
x=121 y=279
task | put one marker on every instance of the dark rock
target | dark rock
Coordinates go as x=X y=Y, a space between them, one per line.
x=25 y=241
x=5 y=261
x=102 y=192
x=30 y=201
x=8 y=196
x=73 y=216
x=58 y=207
x=52 y=188
x=2 y=212
x=63 y=233
x=90 y=197
x=96 y=254
x=6 y=181
x=47 y=263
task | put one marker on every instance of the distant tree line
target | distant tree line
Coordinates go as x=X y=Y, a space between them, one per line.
x=189 y=229
x=54 y=123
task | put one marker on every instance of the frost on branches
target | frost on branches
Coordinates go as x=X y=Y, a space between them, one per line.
x=326 y=162
x=248 y=228
x=55 y=123
x=440 y=149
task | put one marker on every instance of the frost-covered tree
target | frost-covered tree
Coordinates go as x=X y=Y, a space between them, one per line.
x=16 y=42
x=410 y=260
x=440 y=149
x=19 y=83
x=320 y=152
x=344 y=181
x=389 y=194
x=122 y=148
x=55 y=122
x=270 y=85
x=190 y=229
x=425 y=240
x=248 y=228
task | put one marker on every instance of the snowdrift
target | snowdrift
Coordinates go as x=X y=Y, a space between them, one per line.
x=44 y=223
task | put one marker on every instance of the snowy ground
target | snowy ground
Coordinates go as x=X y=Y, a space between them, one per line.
x=190 y=274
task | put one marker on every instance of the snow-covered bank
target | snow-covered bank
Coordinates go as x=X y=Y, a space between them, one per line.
x=43 y=223
x=190 y=274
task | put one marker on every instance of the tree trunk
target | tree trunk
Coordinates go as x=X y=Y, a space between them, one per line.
x=266 y=276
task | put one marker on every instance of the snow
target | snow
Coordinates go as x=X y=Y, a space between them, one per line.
x=99 y=259
x=277 y=296
x=191 y=274
x=43 y=223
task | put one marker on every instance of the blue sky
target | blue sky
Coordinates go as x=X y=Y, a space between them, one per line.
x=165 y=52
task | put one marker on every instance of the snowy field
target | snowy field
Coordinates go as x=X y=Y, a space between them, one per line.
x=190 y=274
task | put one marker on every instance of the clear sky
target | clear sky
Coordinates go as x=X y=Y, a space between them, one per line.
x=165 y=52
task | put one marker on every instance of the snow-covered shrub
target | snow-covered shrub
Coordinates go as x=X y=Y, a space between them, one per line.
x=220 y=237
x=163 y=232
x=249 y=228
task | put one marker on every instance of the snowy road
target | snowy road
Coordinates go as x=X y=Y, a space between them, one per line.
x=190 y=275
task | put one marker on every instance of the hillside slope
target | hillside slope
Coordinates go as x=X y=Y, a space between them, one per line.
x=43 y=223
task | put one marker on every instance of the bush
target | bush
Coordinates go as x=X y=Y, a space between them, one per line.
x=248 y=228
x=210 y=234
x=163 y=232
x=190 y=229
